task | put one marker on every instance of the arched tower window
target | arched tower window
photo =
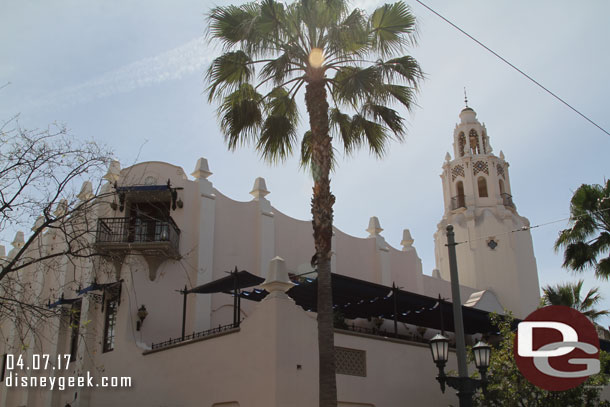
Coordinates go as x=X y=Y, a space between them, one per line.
x=473 y=137
x=484 y=142
x=461 y=143
x=482 y=183
x=459 y=188
x=502 y=191
x=459 y=201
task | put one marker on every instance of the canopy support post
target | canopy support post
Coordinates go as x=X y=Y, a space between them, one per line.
x=395 y=300
x=235 y=298
x=184 y=294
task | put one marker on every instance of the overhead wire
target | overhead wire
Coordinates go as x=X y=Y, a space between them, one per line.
x=515 y=68
x=526 y=228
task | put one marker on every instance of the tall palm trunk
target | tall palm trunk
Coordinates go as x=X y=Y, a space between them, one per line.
x=322 y=211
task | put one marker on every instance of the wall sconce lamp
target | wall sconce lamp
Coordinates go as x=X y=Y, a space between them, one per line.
x=142 y=314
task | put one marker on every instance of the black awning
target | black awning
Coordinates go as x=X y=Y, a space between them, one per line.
x=62 y=301
x=97 y=287
x=356 y=298
x=143 y=188
x=237 y=279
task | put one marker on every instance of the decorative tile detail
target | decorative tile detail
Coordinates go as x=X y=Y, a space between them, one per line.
x=456 y=171
x=350 y=361
x=480 y=166
x=492 y=244
x=500 y=171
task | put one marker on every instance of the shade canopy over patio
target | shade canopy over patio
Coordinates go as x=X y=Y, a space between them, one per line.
x=355 y=298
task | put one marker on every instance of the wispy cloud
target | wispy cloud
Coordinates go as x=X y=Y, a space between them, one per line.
x=170 y=65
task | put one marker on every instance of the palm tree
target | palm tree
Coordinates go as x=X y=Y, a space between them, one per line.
x=587 y=242
x=352 y=66
x=569 y=295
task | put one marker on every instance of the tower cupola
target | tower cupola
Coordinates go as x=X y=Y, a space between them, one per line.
x=479 y=204
x=470 y=136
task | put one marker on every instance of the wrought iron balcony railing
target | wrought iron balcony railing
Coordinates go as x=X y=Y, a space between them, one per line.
x=137 y=232
x=507 y=199
x=458 y=201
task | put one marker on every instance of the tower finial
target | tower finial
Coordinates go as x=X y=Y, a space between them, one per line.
x=465 y=97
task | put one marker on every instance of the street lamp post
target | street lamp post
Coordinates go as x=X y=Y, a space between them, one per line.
x=439 y=345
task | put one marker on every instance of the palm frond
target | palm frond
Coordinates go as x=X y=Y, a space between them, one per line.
x=280 y=68
x=389 y=117
x=353 y=84
x=569 y=295
x=278 y=133
x=231 y=24
x=227 y=72
x=404 y=69
x=392 y=28
x=375 y=135
x=349 y=38
x=240 y=115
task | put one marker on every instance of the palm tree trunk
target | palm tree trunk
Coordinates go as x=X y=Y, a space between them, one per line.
x=322 y=211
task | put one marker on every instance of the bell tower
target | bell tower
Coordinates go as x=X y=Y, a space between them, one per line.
x=495 y=250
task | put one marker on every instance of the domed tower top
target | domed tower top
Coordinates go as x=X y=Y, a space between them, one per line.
x=470 y=136
x=479 y=205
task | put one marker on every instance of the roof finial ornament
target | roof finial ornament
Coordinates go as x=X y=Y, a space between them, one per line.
x=465 y=97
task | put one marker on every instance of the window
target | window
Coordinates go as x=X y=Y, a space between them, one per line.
x=482 y=183
x=112 y=306
x=148 y=221
x=462 y=143
x=459 y=186
x=501 y=187
x=474 y=142
x=75 y=312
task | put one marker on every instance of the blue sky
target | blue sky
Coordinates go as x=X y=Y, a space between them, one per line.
x=130 y=74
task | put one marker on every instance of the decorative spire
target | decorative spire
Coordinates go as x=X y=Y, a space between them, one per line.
x=407 y=240
x=39 y=222
x=465 y=97
x=277 y=278
x=86 y=191
x=61 y=209
x=260 y=189
x=19 y=240
x=114 y=171
x=201 y=169
x=374 y=228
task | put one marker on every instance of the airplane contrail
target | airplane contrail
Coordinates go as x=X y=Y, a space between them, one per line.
x=170 y=65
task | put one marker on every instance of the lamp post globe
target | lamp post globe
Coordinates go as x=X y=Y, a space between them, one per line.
x=482 y=353
x=439 y=346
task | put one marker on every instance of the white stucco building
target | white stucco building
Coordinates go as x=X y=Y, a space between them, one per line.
x=162 y=230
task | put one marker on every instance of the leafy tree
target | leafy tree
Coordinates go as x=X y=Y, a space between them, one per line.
x=569 y=295
x=508 y=388
x=352 y=67
x=587 y=241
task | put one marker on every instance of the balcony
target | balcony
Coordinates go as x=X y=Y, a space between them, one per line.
x=149 y=237
x=458 y=202
x=507 y=200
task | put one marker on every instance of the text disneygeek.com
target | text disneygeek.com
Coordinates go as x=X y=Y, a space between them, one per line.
x=16 y=373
